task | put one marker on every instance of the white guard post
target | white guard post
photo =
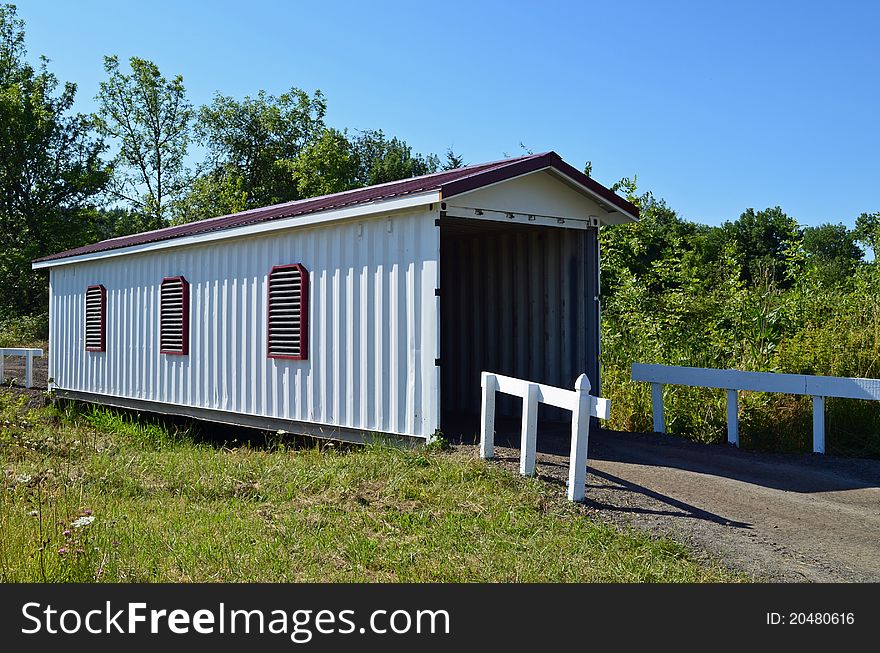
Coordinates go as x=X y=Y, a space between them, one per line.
x=28 y=362
x=580 y=402
x=733 y=381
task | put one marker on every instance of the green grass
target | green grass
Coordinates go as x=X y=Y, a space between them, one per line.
x=168 y=507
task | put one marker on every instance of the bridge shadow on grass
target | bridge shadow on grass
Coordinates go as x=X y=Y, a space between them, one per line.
x=214 y=434
x=804 y=473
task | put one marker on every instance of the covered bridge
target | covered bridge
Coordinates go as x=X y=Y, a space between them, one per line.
x=367 y=311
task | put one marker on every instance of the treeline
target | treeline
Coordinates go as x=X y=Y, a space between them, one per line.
x=68 y=178
x=757 y=293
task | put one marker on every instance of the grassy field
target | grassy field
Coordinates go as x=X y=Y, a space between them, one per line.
x=97 y=496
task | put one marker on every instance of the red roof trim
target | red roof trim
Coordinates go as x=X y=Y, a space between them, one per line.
x=449 y=182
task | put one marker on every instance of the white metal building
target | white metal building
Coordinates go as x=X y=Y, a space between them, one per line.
x=369 y=311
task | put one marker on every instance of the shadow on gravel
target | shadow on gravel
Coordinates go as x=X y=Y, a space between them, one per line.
x=557 y=472
x=682 y=509
x=805 y=473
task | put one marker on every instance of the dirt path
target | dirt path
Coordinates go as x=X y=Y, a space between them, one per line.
x=777 y=517
x=13 y=378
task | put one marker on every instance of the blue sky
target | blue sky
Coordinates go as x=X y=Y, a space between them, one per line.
x=715 y=106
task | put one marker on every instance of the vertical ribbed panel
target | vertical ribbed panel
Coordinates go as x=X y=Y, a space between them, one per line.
x=513 y=302
x=373 y=327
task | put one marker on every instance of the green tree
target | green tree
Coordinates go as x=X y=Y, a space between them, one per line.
x=268 y=149
x=335 y=162
x=253 y=143
x=111 y=222
x=50 y=169
x=659 y=252
x=867 y=231
x=150 y=121
x=380 y=159
x=453 y=160
x=831 y=252
x=212 y=194
x=763 y=241
x=328 y=165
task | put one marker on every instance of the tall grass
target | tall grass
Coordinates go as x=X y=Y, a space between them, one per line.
x=803 y=330
x=92 y=495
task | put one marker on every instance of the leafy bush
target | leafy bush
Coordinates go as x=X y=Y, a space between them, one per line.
x=24 y=331
x=681 y=294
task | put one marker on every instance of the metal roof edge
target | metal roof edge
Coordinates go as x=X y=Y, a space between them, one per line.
x=405 y=192
x=370 y=209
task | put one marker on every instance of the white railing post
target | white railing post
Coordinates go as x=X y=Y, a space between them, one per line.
x=489 y=384
x=28 y=369
x=528 y=437
x=818 y=388
x=818 y=424
x=580 y=402
x=28 y=355
x=733 y=417
x=657 y=408
x=580 y=438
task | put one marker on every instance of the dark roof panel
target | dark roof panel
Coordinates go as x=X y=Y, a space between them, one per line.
x=448 y=182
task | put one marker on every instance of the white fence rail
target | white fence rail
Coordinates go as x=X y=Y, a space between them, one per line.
x=28 y=354
x=579 y=401
x=817 y=387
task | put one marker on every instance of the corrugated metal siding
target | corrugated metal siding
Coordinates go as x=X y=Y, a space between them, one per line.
x=373 y=327
x=513 y=302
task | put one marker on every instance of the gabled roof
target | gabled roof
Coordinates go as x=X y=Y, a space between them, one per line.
x=449 y=183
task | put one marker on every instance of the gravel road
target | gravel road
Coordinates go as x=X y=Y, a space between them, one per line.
x=778 y=517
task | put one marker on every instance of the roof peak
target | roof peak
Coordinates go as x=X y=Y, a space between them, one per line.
x=448 y=182
x=475 y=168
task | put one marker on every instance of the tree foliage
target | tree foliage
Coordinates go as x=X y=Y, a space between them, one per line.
x=764 y=241
x=453 y=160
x=150 y=121
x=381 y=159
x=267 y=150
x=254 y=141
x=867 y=231
x=327 y=165
x=831 y=253
x=757 y=293
x=51 y=170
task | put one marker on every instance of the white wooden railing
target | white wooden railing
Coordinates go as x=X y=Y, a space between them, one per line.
x=818 y=387
x=579 y=401
x=28 y=361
